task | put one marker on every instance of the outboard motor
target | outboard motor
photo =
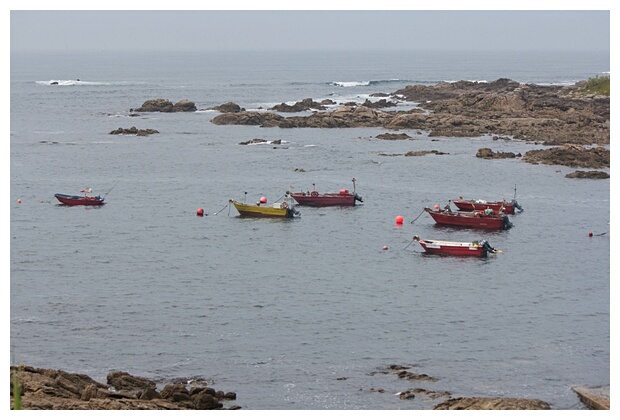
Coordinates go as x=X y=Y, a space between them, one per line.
x=358 y=198
x=506 y=224
x=487 y=247
x=517 y=206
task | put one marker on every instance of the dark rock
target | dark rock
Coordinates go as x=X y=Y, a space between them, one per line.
x=124 y=381
x=425 y=152
x=486 y=153
x=134 y=131
x=228 y=107
x=164 y=105
x=492 y=404
x=571 y=155
x=47 y=389
x=184 y=106
x=588 y=175
x=382 y=103
x=503 y=108
x=394 y=136
x=305 y=105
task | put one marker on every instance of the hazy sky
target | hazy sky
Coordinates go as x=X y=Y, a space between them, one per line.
x=115 y=30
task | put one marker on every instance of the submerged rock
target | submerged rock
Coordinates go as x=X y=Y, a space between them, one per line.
x=486 y=153
x=134 y=131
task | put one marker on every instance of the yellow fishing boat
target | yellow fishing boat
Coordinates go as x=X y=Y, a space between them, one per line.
x=262 y=209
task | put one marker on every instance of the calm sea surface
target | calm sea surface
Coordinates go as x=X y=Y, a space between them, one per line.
x=305 y=313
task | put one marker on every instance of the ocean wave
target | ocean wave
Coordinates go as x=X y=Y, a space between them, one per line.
x=78 y=82
x=367 y=83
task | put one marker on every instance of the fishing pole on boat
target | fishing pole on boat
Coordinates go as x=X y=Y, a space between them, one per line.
x=418 y=216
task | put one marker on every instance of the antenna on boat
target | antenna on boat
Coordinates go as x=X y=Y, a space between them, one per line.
x=515 y=197
x=353 y=185
x=245 y=194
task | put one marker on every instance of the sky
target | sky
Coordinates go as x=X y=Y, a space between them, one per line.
x=400 y=27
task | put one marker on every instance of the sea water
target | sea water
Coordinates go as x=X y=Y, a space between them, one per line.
x=307 y=313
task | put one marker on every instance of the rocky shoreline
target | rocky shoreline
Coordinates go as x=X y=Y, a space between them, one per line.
x=50 y=389
x=563 y=117
x=551 y=115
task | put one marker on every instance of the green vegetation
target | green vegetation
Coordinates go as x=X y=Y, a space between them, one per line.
x=17 y=392
x=598 y=85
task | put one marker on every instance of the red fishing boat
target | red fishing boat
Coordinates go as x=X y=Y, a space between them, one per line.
x=314 y=199
x=79 y=200
x=507 y=207
x=473 y=249
x=487 y=219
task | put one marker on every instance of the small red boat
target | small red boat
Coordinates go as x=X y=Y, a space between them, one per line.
x=507 y=207
x=486 y=219
x=79 y=200
x=314 y=199
x=471 y=249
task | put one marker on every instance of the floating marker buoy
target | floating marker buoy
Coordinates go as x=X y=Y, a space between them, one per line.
x=590 y=234
x=436 y=206
x=399 y=220
x=263 y=200
x=200 y=212
x=19 y=200
x=385 y=247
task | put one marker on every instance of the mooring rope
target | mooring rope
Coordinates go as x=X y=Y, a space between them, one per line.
x=418 y=216
x=227 y=205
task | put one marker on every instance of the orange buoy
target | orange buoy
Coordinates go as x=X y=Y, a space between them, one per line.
x=399 y=220
x=19 y=200
x=436 y=206
x=385 y=247
x=200 y=212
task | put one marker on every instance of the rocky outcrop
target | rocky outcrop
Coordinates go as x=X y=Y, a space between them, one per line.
x=492 y=404
x=588 y=175
x=228 y=107
x=552 y=115
x=394 y=136
x=571 y=155
x=304 y=105
x=164 y=105
x=48 y=389
x=486 y=153
x=382 y=103
x=133 y=131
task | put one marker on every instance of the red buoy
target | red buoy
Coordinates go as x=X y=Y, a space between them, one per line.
x=385 y=247
x=200 y=212
x=263 y=200
x=590 y=234
x=399 y=220
x=19 y=200
x=436 y=206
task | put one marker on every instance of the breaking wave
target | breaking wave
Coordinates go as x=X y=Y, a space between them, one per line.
x=368 y=83
x=78 y=82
